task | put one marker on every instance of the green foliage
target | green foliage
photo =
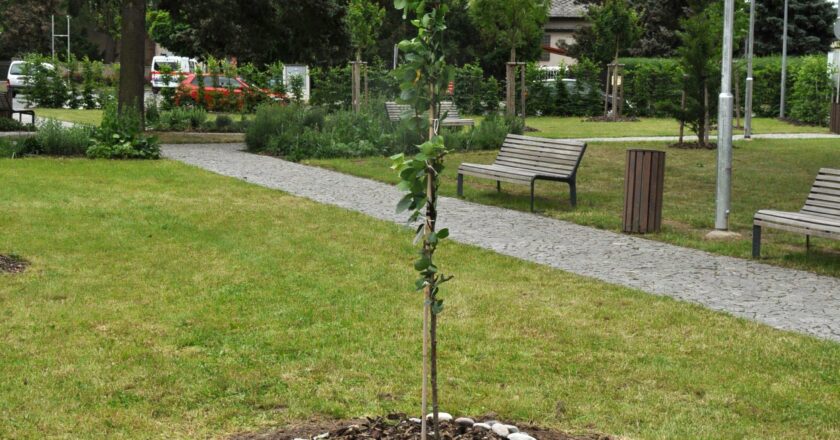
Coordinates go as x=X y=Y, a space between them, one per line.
x=53 y=139
x=44 y=85
x=363 y=20
x=511 y=24
x=812 y=91
x=652 y=87
x=119 y=136
x=11 y=148
x=615 y=26
x=9 y=124
x=296 y=83
x=475 y=95
x=331 y=86
x=92 y=82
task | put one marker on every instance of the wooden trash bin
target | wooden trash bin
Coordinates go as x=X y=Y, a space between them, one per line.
x=644 y=182
x=834 y=125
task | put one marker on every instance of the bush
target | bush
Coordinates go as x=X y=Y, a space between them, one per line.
x=10 y=148
x=810 y=97
x=54 y=139
x=331 y=87
x=223 y=122
x=119 y=137
x=44 y=86
x=181 y=119
x=9 y=124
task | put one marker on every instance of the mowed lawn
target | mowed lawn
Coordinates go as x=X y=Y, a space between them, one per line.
x=767 y=174
x=167 y=302
x=576 y=127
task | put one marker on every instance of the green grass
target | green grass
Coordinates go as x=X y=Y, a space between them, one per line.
x=554 y=127
x=144 y=317
x=768 y=174
x=94 y=117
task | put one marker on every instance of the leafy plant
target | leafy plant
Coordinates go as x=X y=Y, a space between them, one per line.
x=120 y=137
x=424 y=78
x=812 y=91
x=56 y=140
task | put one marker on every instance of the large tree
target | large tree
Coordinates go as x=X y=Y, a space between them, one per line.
x=809 y=26
x=258 y=31
x=26 y=26
x=511 y=24
x=132 y=57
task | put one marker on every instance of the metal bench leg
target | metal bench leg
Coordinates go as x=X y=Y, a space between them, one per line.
x=460 y=185
x=533 y=182
x=573 y=192
x=498 y=186
x=807 y=244
x=756 y=251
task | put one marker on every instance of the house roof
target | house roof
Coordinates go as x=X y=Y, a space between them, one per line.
x=566 y=9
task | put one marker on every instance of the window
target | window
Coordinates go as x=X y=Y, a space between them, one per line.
x=546 y=42
x=173 y=66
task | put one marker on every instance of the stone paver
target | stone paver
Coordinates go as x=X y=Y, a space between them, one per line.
x=783 y=298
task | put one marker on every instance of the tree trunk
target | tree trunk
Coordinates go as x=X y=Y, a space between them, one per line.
x=132 y=57
x=615 y=88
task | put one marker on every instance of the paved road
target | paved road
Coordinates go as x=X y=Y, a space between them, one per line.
x=783 y=298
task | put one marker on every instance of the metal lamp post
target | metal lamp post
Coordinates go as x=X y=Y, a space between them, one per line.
x=724 y=162
x=748 y=106
x=784 y=63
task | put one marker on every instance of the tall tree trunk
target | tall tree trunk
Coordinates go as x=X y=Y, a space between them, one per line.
x=132 y=57
x=615 y=87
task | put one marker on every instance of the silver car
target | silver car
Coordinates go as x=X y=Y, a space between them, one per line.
x=17 y=80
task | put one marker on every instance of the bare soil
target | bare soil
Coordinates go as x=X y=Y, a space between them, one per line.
x=12 y=264
x=398 y=427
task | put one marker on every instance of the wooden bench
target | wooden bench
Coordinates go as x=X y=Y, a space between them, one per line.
x=525 y=159
x=7 y=107
x=452 y=117
x=820 y=217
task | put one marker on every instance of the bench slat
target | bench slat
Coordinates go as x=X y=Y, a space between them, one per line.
x=808 y=221
x=822 y=210
x=546 y=152
x=538 y=159
x=559 y=169
x=546 y=141
x=518 y=143
x=830 y=171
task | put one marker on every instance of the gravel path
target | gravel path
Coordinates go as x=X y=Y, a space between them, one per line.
x=783 y=298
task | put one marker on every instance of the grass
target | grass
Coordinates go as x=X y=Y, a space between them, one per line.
x=554 y=127
x=144 y=317
x=94 y=117
x=773 y=174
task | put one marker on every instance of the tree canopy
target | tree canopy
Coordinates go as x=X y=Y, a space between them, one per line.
x=511 y=24
x=810 y=28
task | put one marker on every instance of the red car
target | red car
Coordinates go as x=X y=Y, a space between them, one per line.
x=217 y=92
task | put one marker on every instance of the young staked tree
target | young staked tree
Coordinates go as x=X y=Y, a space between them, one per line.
x=615 y=26
x=424 y=77
x=512 y=24
x=700 y=59
x=364 y=20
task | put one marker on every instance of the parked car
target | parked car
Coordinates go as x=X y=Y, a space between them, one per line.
x=219 y=89
x=177 y=67
x=16 y=78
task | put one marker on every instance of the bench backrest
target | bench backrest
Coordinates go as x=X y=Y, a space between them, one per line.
x=824 y=199
x=449 y=109
x=396 y=112
x=552 y=156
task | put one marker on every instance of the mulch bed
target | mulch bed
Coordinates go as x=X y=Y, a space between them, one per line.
x=398 y=427
x=12 y=264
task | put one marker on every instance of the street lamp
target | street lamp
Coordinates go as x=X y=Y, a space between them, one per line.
x=749 y=97
x=724 y=162
x=784 y=63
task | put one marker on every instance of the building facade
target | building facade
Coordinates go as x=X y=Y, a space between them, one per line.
x=565 y=18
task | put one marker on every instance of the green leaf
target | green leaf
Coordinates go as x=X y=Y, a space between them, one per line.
x=399 y=4
x=423 y=263
x=437 y=307
x=405 y=203
x=443 y=233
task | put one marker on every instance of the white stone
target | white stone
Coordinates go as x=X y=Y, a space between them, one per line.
x=481 y=426
x=512 y=429
x=465 y=421
x=520 y=436
x=322 y=436
x=415 y=420
x=442 y=417
x=500 y=430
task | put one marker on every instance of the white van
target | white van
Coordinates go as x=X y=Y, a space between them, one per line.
x=179 y=66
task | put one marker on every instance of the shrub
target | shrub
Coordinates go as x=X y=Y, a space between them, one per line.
x=9 y=124
x=119 y=137
x=11 y=147
x=223 y=122
x=53 y=139
x=274 y=127
x=812 y=90
x=44 y=86
x=181 y=119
